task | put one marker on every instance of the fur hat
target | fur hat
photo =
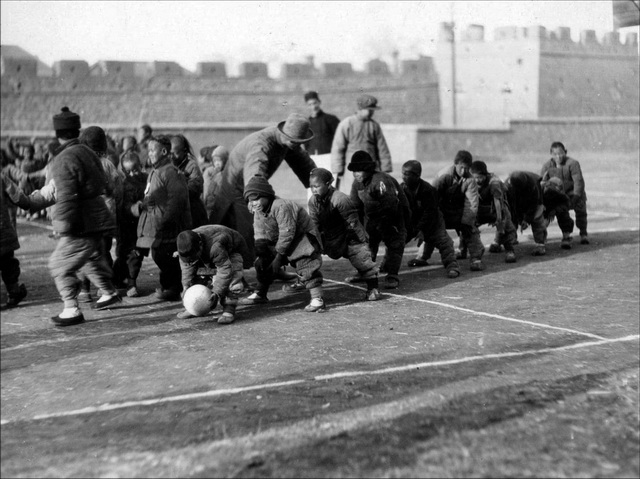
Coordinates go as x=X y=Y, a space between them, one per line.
x=66 y=120
x=260 y=186
x=413 y=166
x=361 y=161
x=95 y=138
x=296 y=128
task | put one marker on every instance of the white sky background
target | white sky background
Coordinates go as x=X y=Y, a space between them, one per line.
x=270 y=31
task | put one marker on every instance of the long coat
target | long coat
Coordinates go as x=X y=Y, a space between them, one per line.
x=354 y=134
x=165 y=207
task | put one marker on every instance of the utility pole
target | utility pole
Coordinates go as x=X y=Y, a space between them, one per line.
x=453 y=68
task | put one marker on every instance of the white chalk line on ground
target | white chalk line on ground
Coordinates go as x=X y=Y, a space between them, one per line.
x=479 y=313
x=408 y=367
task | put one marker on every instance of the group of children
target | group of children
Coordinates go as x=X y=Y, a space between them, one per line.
x=379 y=209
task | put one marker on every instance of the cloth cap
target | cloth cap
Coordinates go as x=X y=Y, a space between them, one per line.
x=367 y=101
x=361 y=161
x=479 y=167
x=221 y=152
x=296 y=128
x=322 y=174
x=260 y=186
x=95 y=138
x=66 y=120
x=463 y=156
x=413 y=166
x=188 y=242
x=311 y=95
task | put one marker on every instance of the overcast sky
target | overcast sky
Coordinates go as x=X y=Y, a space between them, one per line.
x=272 y=31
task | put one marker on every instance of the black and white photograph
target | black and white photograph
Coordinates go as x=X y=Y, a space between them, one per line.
x=318 y=239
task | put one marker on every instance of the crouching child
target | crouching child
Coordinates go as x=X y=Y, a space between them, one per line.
x=284 y=234
x=214 y=246
x=342 y=235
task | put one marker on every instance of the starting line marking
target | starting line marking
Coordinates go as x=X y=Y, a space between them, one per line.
x=221 y=392
x=480 y=313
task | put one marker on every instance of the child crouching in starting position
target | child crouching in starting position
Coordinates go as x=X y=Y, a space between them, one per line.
x=336 y=218
x=284 y=234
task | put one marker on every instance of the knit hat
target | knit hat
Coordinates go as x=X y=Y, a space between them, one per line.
x=95 y=138
x=311 y=95
x=367 y=101
x=296 y=128
x=361 y=161
x=463 y=156
x=260 y=186
x=322 y=174
x=66 y=120
x=413 y=166
x=479 y=168
x=188 y=242
x=221 y=152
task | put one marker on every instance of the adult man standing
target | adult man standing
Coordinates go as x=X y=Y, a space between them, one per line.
x=164 y=213
x=360 y=132
x=81 y=217
x=145 y=133
x=323 y=124
x=260 y=153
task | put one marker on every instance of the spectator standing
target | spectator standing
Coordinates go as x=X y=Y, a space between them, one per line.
x=183 y=158
x=213 y=177
x=568 y=171
x=322 y=124
x=360 y=132
x=9 y=264
x=145 y=133
x=164 y=213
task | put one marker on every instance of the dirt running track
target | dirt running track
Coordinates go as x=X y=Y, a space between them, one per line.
x=525 y=369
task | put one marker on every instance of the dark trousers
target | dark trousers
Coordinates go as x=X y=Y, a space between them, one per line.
x=169 y=265
x=565 y=222
x=394 y=235
x=10 y=267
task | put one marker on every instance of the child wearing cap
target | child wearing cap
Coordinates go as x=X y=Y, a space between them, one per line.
x=343 y=236
x=284 y=234
x=214 y=246
x=385 y=212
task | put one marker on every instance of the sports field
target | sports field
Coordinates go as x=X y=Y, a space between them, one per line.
x=523 y=370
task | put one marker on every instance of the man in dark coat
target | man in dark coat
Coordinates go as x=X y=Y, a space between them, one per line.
x=81 y=218
x=323 y=124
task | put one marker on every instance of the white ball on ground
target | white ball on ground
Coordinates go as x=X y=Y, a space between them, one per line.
x=197 y=300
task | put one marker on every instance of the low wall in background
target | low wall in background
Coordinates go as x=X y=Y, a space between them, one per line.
x=434 y=143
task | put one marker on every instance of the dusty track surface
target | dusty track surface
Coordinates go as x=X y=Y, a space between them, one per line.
x=525 y=369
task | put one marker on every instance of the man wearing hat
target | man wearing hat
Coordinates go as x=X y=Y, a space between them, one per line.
x=214 y=246
x=323 y=124
x=385 y=212
x=360 y=132
x=81 y=218
x=260 y=153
